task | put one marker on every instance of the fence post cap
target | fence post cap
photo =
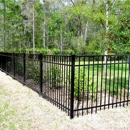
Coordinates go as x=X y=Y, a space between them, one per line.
x=40 y=54
x=73 y=55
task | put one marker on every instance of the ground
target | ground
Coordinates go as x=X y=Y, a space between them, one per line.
x=22 y=109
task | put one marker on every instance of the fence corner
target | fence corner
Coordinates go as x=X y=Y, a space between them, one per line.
x=41 y=73
x=72 y=87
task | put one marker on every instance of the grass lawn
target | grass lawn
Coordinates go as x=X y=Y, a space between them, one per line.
x=90 y=74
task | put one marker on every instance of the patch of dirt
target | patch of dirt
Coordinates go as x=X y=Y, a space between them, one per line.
x=33 y=85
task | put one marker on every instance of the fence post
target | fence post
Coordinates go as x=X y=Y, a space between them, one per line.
x=72 y=87
x=41 y=73
x=6 y=56
x=14 y=64
x=0 y=61
x=129 y=72
x=24 y=68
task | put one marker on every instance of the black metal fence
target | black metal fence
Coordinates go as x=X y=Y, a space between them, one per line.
x=77 y=85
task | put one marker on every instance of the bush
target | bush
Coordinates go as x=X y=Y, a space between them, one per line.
x=53 y=76
x=33 y=71
x=82 y=86
x=55 y=51
x=67 y=52
x=18 y=65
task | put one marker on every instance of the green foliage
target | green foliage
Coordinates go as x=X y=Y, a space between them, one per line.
x=119 y=35
x=38 y=50
x=19 y=67
x=67 y=52
x=65 y=26
x=1 y=50
x=117 y=86
x=44 y=51
x=55 y=51
x=53 y=77
x=80 y=84
x=83 y=85
x=33 y=71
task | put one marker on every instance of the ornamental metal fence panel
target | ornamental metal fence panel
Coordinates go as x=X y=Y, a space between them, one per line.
x=77 y=85
x=100 y=85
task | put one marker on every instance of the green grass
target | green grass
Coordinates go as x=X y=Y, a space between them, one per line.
x=114 y=83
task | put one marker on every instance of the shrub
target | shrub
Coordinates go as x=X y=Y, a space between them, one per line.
x=82 y=86
x=33 y=71
x=19 y=66
x=67 y=52
x=55 y=51
x=53 y=76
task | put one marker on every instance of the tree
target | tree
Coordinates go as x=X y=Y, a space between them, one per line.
x=44 y=25
x=107 y=28
x=119 y=35
x=61 y=24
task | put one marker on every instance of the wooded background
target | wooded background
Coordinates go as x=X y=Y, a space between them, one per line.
x=65 y=26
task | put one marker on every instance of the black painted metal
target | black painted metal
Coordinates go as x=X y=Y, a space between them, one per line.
x=75 y=84
x=24 y=68
x=41 y=73
x=14 y=65
x=72 y=87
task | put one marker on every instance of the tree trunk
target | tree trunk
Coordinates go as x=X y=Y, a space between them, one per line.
x=61 y=40
x=44 y=27
x=4 y=25
x=105 y=62
x=33 y=30
x=94 y=2
x=86 y=34
x=107 y=28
